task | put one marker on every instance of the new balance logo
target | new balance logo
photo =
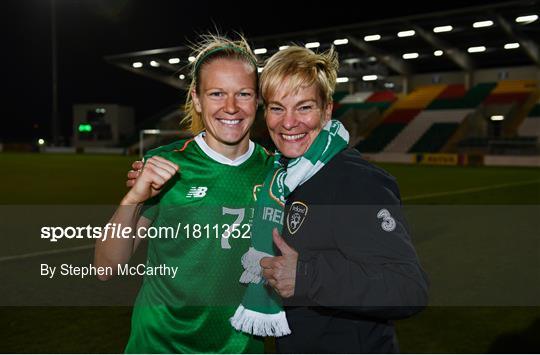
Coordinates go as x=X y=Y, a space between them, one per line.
x=197 y=192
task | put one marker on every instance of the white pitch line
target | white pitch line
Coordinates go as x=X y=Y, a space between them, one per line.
x=473 y=189
x=42 y=253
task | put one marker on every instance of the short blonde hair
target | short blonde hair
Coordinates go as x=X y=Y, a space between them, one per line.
x=303 y=68
x=211 y=47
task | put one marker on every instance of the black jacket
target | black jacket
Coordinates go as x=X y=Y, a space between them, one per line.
x=357 y=269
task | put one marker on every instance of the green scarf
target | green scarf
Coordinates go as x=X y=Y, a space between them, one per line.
x=261 y=312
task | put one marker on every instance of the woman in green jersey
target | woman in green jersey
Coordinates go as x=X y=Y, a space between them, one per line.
x=201 y=215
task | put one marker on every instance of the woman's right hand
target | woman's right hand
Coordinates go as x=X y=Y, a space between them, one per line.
x=133 y=174
x=148 y=182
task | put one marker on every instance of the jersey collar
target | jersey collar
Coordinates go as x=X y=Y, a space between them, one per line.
x=221 y=158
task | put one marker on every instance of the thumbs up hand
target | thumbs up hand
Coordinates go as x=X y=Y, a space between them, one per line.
x=280 y=271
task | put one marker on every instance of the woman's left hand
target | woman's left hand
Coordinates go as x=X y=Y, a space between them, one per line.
x=280 y=271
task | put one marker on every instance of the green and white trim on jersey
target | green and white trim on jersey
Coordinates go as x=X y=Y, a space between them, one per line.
x=199 y=139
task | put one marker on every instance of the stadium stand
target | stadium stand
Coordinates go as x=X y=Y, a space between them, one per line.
x=432 y=118
x=531 y=125
x=422 y=127
x=441 y=100
x=394 y=120
x=361 y=111
x=446 y=118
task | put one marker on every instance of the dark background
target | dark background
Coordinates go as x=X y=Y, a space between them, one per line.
x=88 y=30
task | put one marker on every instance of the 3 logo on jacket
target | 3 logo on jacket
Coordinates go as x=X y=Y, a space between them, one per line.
x=296 y=216
x=389 y=223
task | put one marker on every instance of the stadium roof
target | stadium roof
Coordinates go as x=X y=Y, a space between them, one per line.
x=498 y=35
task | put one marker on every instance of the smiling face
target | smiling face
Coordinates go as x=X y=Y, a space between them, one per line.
x=295 y=119
x=227 y=102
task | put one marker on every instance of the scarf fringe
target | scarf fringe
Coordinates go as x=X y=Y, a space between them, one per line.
x=248 y=277
x=261 y=324
x=252 y=267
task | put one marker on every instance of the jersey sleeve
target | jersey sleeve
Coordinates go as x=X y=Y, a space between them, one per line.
x=150 y=207
x=374 y=270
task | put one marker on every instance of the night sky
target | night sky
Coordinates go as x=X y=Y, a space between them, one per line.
x=88 y=30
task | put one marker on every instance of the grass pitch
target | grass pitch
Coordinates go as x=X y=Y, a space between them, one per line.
x=480 y=247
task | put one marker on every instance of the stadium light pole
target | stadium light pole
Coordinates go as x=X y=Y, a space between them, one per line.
x=54 y=65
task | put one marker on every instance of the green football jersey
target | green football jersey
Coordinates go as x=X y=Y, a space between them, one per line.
x=204 y=215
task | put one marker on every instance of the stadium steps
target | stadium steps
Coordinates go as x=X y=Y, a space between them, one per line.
x=342 y=109
x=511 y=127
x=356 y=98
x=382 y=96
x=473 y=127
x=535 y=111
x=408 y=136
x=418 y=127
x=452 y=92
x=396 y=117
x=420 y=98
x=449 y=98
x=380 y=137
x=513 y=99
x=355 y=121
x=383 y=131
x=476 y=95
x=515 y=86
x=362 y=110
x=465 y=130
x=435 y=138
x=455 y=97
x=363 y=101
x=339 y=95
x=530 y=127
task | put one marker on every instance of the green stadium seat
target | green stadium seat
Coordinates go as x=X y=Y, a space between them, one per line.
x=473 y=98
x=380 y=137
x=435 y=138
